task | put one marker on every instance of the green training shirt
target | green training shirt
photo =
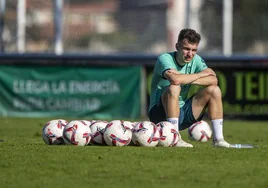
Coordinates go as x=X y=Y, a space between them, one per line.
x=159 y=83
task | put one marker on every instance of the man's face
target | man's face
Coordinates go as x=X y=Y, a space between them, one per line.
x=186 y=50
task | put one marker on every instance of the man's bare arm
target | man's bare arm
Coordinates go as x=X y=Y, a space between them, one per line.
x=177 y=78
x=209 y=70
x=206 y=81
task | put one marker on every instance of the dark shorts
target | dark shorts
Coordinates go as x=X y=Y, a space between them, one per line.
x=186 y=119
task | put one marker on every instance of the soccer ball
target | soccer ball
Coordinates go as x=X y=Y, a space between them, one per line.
x=116 y=134
x=97 y=129
x=52 y=132
x=77 y=133
x=128 y=125
x=169 y=136
x=87 y=122
x=200 y=131
x=145 y=134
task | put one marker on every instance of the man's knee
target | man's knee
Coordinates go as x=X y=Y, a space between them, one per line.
x=214 y=91
x=172 y=91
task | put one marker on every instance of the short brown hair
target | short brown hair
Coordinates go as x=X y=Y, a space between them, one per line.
x=191 y=35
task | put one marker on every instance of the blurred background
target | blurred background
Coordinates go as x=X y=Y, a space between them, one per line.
x=228 y=27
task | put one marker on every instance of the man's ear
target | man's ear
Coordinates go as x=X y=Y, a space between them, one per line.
x=177 y=46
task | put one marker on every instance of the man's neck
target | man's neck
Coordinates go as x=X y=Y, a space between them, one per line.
x=178 y=61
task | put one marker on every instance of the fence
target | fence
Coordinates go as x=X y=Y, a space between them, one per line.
x=152 y=26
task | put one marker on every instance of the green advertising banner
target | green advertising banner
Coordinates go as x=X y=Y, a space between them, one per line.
x=56 y=91
x=244 y=92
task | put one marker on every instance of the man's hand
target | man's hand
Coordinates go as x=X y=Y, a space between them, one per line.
x=206 y=72
x=210 y=71
x=206 y=77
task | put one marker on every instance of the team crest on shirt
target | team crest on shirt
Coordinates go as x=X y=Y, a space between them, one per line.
x=189 y=70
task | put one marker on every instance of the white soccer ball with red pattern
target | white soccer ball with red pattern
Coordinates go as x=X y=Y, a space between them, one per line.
x=52 y=132
x=169 y=136
x=128 y=125
x=97 y=129
x=146 y=134
x=87 y=122
x=117 y=134
x=200 y=131
x=77 y=132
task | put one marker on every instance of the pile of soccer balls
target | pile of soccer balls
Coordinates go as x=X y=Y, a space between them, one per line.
x=116 y=133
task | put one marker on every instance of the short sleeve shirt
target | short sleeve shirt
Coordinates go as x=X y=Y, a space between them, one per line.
x=159 y=83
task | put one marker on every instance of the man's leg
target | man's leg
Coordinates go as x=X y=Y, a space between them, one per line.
x=170 y=101
x=212 y=97
x=157 y=113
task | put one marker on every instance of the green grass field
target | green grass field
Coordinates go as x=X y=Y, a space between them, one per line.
x=26 y=161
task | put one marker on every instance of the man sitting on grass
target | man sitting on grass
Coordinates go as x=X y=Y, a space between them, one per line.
x=173 y=75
